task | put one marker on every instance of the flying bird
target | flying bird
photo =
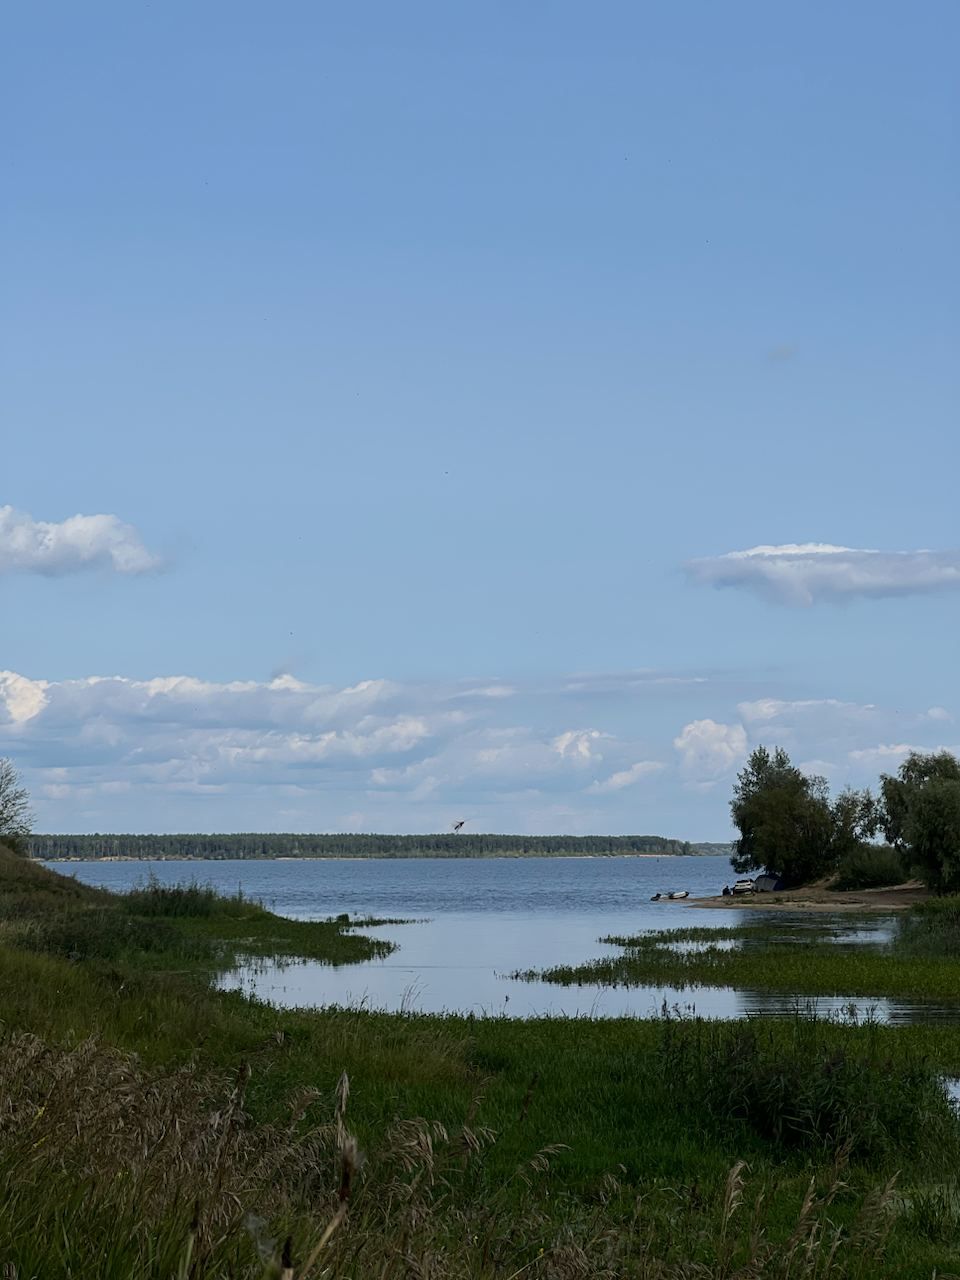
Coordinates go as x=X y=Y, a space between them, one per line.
x=458 y=826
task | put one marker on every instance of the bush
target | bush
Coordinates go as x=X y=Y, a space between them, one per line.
x=870 y=867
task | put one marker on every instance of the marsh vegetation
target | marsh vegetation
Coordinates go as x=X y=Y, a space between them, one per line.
x=154 y=1127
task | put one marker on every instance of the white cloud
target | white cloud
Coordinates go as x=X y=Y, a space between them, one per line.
x=938 y=713
x=625 y=777
x=577 y=744
x=80 y=542
x=887 y=755
x=806 y=573
x=20 y=698
x=770 y=710
x=709 y=750
x=488 y=691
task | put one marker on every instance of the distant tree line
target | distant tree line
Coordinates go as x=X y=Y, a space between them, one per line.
x=791 y=827
x=280 y=845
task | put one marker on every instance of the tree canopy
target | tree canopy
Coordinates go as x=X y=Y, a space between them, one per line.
x=788 y=823
x=16 y=817
x=921 y=816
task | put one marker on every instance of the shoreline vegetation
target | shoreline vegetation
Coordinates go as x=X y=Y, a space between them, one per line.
x=133 y=847
x=162 y=1128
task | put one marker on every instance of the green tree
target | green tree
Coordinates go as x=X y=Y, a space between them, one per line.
x=788 y=824
x=915 y=772
x=16 y=817
x=921 y=816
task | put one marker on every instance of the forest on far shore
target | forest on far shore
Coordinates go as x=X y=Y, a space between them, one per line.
x=286 y=845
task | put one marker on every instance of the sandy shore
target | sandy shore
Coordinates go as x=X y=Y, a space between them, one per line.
x=819 y=898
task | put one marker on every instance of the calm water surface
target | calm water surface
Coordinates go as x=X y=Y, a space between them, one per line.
x=478 y=920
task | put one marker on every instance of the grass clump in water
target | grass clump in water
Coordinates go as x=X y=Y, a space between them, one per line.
x=932 y=929
x=921 y=962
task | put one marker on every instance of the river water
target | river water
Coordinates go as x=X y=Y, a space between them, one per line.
x=475 y=921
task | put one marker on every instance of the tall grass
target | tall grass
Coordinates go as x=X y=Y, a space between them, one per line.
x=192 y=900
x=932 y=929
x=797 y=1087
x=108 y=1170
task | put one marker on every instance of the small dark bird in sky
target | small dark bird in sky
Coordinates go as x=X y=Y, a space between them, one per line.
x=458 y=826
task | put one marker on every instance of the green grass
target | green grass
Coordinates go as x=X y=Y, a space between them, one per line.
x=154 y=1127
x=919 y=964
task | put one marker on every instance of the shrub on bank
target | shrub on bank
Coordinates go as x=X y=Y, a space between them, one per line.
x=870 y=867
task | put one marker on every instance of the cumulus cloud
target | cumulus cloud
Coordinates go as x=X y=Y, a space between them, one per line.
x=72 y=545
x=21 y=699
x=625 y=777
x=807 y=573
x=709 y=750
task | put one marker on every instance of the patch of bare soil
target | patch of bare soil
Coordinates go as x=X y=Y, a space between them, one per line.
x=819 y=897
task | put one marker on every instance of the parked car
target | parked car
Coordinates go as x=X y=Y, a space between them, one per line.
x=744 y=886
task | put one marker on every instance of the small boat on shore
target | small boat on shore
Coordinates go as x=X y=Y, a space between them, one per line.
x=680 y=893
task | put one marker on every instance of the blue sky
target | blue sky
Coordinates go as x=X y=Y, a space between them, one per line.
x=419 y=369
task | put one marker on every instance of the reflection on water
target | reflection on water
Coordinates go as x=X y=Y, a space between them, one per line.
x=393 y=986
x=453 y=964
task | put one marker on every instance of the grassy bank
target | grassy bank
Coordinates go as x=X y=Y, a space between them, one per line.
x=154 y=1127
x=921 y=962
